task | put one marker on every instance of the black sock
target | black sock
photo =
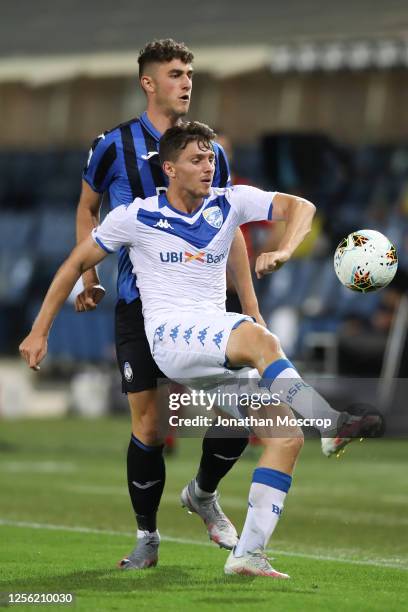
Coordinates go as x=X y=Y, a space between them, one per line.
x=146 y=474
x=219 y=455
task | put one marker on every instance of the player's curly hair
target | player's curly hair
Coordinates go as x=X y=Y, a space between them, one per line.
x=176 y=138
x=163 y=50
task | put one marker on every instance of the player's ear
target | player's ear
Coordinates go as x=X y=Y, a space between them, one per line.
x=147 y=84
x=169 y=169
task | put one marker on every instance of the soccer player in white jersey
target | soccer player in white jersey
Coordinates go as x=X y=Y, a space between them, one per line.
x=178 y=244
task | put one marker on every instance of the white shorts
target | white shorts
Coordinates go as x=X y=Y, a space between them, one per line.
x=190 y=348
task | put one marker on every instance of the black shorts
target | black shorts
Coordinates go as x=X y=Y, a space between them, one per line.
x=136 y=364
x=232 y=303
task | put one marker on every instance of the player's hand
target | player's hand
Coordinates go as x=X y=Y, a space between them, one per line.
x=33 y=349
x=270 y=262
x=89 y=298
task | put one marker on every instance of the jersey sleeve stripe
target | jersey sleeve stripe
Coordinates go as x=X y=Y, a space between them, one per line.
x=155 y=168
x=270 y=212
x=105 y=163
x=132 y=169
x=100 y=243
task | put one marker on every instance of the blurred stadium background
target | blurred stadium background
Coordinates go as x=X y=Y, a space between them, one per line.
x=313 y=98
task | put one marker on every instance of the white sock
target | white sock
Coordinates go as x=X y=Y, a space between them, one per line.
x=282 y=378
x=266 y=497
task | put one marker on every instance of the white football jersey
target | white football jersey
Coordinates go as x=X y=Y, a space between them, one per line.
x=180 y=258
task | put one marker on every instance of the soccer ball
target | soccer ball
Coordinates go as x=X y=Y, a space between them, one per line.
x=365 y=261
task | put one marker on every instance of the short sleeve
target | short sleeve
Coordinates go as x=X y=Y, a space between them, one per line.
x=251 y=203
x=116 y=230
x=222 y=175
x=100 y=167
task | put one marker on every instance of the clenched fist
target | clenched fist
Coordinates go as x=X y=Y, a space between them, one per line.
x=33 y=349
x=89 y=298
x=270 y=262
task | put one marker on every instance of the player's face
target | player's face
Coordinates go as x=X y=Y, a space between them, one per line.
x=194 y=169
x=172 y=83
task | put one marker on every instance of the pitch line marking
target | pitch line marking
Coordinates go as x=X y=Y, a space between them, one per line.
x=79 y=529
x=344 y=516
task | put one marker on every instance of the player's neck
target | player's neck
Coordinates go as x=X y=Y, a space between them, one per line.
x=183 y=201
x=161 y=120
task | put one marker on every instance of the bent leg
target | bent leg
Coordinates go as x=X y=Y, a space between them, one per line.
x=251 y=344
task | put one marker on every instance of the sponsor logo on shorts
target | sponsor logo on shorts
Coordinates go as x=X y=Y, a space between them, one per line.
x=187 y=257
x=127 y=371
x=213 y=216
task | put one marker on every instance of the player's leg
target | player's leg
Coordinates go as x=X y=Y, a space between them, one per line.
x=254 y=345
x=265 y=354
x=222 y=447
x=251 y=344
x=145 y=462
x=271 y=481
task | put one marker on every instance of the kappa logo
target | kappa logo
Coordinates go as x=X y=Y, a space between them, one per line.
x=163 y=224
x=127 y=371
x=149 y=155
x=218 y=337
x=213 y=216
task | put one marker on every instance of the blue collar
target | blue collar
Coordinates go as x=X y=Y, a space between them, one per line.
x=149 y=126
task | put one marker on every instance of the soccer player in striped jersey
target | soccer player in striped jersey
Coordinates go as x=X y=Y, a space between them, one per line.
x=124 y=163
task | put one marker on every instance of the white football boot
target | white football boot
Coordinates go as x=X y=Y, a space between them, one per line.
x=252 y=564
x=366 y=423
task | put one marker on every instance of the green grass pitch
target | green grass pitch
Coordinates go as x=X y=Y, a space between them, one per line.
x=65 y=521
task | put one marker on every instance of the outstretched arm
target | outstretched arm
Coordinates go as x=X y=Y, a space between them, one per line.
x=86 y=255
x=87 y=218
x=240 y=273
x=298 y=214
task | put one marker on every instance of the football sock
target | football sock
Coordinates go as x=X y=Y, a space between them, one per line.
x=281 y=377
x=143 y=534
x=266 y=498
x=146 y=474
x=219 y=455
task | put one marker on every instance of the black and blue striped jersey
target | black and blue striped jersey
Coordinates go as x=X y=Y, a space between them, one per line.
x=125 y=163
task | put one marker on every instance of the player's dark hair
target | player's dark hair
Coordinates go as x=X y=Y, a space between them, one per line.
x=176 y=138
x=163 y=50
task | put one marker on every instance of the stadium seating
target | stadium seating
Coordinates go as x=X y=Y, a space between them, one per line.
x=39 y=191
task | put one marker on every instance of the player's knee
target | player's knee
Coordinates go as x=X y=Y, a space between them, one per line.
x=265 y=343
x=145 y=417
x=291 y=445
x=271 y=344
x=147 y=431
